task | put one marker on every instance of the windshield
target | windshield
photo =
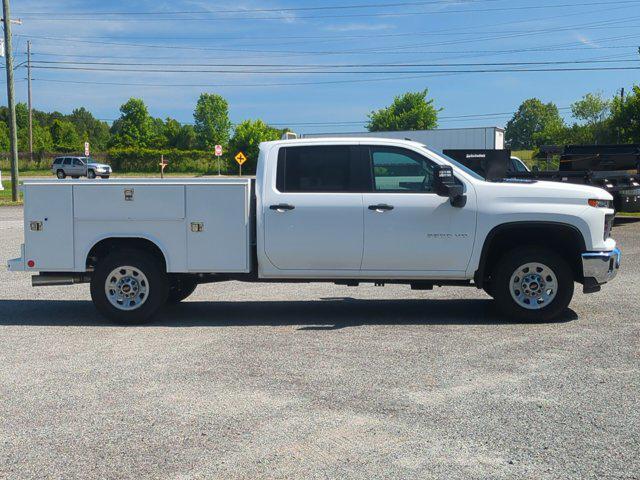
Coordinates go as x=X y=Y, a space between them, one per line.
x=518 y=165
x=457 y=164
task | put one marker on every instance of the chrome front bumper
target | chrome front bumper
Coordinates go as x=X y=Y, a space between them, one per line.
x=600 y=267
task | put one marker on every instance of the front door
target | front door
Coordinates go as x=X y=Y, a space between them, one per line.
x=313 y=215
x=407 y=226
x=78 y=167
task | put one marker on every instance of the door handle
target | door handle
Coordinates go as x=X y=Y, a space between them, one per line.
x=282 y=207
x=381 y=207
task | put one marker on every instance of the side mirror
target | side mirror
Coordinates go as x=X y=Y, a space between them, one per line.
x=446 y=186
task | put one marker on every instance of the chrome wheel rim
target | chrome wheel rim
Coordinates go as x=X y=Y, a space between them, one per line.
x=127 y=288
x=533 y=286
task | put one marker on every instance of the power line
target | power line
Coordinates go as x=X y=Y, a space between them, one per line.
x=244 y=85
x=323 y=72
x=435 y=52
x=373 y=50
x=254 y=10
x=51 y=16
x=356 y=65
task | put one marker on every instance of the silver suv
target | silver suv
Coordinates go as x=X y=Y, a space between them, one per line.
x=76 y=167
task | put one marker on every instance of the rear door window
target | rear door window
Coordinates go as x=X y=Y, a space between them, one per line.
x=333 y=168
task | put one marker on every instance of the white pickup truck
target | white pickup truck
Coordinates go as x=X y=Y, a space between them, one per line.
x=346 y=211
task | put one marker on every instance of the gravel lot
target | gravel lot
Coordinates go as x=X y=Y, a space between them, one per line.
x=318 y=381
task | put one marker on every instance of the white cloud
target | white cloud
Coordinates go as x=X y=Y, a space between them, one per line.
x=355 y=27
x=586 y=41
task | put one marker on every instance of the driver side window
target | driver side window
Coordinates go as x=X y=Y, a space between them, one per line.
x=399 y=170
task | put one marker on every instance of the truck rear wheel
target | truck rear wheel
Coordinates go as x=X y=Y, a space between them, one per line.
x=180 y=288
x=532 y=284
x=129 y=286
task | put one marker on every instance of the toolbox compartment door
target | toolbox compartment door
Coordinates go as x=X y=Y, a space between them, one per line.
x=218 y=228
x=94 y=202
x=48 y=227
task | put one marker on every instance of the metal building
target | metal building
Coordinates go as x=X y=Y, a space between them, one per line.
x=484 y=138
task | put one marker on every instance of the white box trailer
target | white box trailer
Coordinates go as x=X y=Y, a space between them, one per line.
x=477 y=138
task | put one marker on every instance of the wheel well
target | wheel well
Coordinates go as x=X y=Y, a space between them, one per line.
x=108 y=245
x=566 y=240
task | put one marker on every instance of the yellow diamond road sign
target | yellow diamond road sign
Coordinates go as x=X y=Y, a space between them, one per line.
x=240 y=158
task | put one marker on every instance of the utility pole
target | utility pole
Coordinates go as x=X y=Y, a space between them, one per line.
x=13 y=131
x=29 y=100
x=622 y=94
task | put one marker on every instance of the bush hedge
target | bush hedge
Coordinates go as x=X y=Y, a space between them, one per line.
x=142 y=160
x=179 y=161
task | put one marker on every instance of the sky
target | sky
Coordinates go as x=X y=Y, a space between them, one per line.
x=319 y=66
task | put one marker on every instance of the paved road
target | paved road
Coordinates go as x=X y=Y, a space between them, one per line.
x=318 y=381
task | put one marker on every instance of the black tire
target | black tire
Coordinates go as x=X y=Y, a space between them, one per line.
x=488 y=289
x=507 y=267
x=91 y=174
x=157 y=286
x=60 y=174
x=180 y=288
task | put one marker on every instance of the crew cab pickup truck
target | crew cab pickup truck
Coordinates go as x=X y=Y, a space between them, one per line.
x=346 y=211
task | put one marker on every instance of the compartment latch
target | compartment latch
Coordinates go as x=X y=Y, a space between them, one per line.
x=35 y=226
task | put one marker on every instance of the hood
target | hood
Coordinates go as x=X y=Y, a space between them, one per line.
x=550 y=191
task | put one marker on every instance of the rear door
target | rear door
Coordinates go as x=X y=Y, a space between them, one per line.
x=313 y=213
x=407 y=226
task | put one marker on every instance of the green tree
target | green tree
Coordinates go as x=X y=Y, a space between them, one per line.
x=42 y=141
x=592 y=112
x=534 y=124
x=158 y=134
x=186 y=139
x=134 y=128
x=89 y=128
x=212 y=124
x=4 y=136
x=247 y=137
x=411 y=111
x=172 y=129
x=625 y=117
x=65 y=137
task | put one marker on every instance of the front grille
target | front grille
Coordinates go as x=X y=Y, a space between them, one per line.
x=608 y=225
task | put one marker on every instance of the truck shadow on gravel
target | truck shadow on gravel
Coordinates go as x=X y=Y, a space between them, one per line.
x=324 y=314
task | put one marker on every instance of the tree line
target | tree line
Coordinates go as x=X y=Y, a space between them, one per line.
x=135 y=128
x=596 y=119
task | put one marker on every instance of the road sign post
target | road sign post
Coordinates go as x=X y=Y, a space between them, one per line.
x=218 y=153
x=86 y=162
x=240 y=158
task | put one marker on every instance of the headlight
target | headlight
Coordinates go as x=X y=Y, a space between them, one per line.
x=600 y=203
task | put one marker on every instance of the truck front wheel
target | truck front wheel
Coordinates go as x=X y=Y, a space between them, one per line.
x=532 y=284
x=129 y=286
